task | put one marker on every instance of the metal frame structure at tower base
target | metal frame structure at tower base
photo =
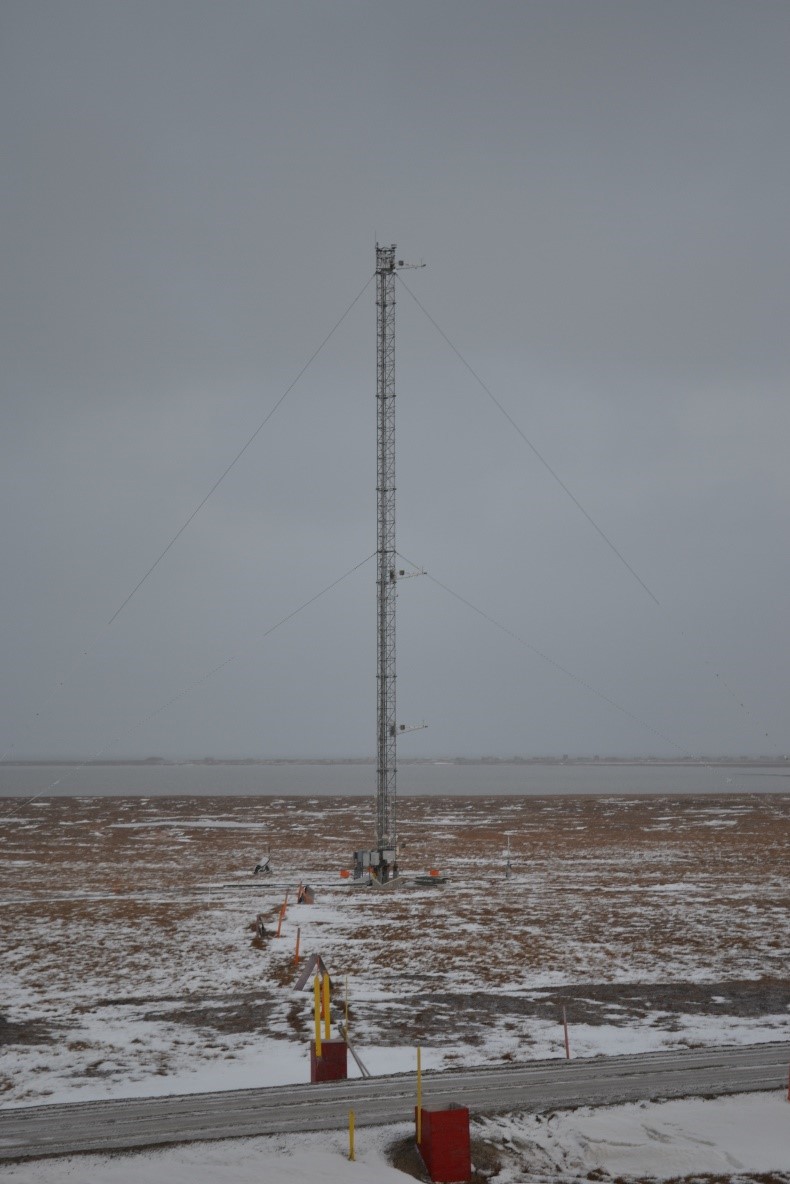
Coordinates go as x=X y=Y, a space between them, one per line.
x=382 y=861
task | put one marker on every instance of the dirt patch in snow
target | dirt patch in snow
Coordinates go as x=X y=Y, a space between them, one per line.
x=25 y=1032
x=486 y=1160
x=231 y=1015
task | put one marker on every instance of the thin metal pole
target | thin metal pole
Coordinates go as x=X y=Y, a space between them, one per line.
x=317 y=1010
x=419 y=1096
x=327 y=1031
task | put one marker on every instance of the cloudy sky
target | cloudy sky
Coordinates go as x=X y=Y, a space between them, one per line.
x=191 y=196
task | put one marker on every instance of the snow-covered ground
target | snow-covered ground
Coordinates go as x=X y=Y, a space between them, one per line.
x=662 y=1140
x=201 y=1066
x=128 y=965
x=738 y=1137
x=261 y=1063
x=129 y=968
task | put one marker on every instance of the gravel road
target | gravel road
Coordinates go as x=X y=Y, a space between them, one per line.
x=37 y=1131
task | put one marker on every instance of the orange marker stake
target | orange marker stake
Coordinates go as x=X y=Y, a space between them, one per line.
x=296 y=953
x=283 y=907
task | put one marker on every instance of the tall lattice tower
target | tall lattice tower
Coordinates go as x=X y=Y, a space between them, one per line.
x=386 y=574
x=383 y=860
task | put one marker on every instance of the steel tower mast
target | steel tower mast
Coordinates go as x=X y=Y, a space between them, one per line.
x=383 y=860
x=386 y=577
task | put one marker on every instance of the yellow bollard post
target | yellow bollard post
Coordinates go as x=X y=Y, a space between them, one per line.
x=327 y=1032
x=317 y=1004
x=419 y=1096
x=351 y=1134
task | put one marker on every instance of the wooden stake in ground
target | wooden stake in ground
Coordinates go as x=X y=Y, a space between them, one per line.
x=565 y=1028
x=296 y=952
x=282 y=914
x=351 y=1134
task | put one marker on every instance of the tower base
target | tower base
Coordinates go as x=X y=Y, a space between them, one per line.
x=380 y=865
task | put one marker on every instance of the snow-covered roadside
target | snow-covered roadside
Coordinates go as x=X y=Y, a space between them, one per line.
x=114 y=1055
x=662 y=1140
x=250 y=1066
x=281 y=1159
x=746 y=1134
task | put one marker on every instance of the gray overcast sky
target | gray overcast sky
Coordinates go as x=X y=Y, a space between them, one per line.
x=191 y=195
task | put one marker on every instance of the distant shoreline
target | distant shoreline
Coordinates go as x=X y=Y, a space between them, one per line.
x=723 y=762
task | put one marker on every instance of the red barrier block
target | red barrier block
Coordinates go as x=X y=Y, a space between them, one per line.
x=445 y=1143
x=332 y=1065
